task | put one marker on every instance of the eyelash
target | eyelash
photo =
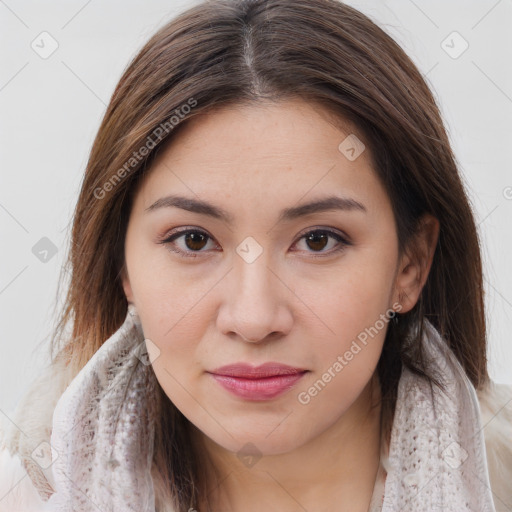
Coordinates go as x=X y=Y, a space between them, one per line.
x=169 y=242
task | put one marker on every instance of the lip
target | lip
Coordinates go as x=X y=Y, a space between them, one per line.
x=262 y=382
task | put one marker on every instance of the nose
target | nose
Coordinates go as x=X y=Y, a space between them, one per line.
x=256 y=302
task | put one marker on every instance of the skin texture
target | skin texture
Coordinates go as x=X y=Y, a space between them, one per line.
x=297 y=303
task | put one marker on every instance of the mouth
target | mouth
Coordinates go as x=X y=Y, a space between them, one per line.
x=263 y=382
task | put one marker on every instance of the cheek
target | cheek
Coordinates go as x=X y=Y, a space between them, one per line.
x=351 y=298
x=338 y=390
x=171 y=302
x=176 y=367
x=348 y=353
x=352 y=311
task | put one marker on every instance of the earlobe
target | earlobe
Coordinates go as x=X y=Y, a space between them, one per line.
x=416 y=262
x=126 y=284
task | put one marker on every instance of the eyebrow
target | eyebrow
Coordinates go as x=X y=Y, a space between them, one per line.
x=329 y=203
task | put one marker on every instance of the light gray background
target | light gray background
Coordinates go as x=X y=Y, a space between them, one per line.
x=50 y=110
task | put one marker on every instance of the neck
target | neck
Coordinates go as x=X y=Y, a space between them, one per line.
x=334 y=471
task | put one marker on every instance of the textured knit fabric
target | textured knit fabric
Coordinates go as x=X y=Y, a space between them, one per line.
x=102 y=433
x=437 y=458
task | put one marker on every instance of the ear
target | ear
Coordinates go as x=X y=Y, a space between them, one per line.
x=126 y=284
x=415 y=263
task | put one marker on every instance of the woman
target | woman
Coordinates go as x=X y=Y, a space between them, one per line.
x=276 y=287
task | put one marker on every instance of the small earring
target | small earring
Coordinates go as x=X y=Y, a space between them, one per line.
x=394 y=318
x=132 y=310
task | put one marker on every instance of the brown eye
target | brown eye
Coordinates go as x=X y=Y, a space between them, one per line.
x=319 y=239
x=187 y=242
x=195 y=240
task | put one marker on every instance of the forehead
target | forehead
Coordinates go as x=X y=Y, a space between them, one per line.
x=281 y=152
x=286 y=130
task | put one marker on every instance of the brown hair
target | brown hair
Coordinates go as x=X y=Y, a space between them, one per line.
x=224 y=52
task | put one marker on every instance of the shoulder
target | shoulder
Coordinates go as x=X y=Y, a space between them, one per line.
x=496 y=413
x=25 y=484
x=17 y=492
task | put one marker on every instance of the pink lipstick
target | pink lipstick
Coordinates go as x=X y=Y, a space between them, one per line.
x=262 y=382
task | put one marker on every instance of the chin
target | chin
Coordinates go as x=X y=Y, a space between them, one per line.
x=259 y=444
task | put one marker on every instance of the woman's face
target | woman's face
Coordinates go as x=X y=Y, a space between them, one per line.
x=255 y=270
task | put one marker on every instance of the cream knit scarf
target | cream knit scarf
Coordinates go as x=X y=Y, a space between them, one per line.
x=103 y=432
